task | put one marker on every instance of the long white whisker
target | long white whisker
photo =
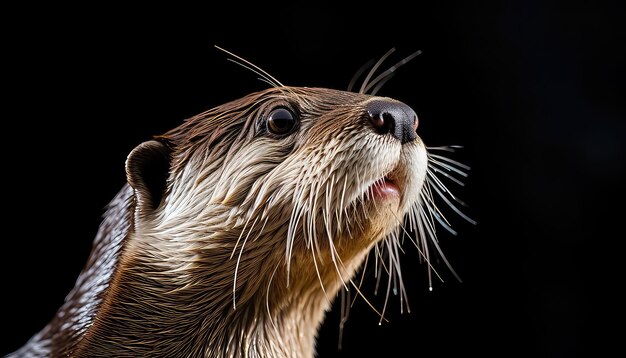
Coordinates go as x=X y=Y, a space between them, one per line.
x=433 y=179
x=358 y=74
x=366 y=300
x=403 y=294
x=424 y=253
x=429 y=228
x=345 y=313
x=239 y=261
x=434 y=210
x=267 y=297
x=317 y=271
x=451 y=161
x=453 y=207
x=265 y=80
x=262 y=76
x=240 y=236
x=262 y=73
x=291 y=229
x=390 y=71
x=373 y=70
x=362 y=275
x=447 y=167
x=387 y=293
x=436 y=170
x=445 y=148
x=381 y=84
x=333 y=251
x=422 y=238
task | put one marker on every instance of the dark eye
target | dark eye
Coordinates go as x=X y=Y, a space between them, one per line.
x=281 y=121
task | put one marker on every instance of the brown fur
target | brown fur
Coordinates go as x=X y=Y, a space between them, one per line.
x=251 y=239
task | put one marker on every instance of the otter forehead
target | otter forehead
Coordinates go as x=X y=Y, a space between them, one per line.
x=242 y=118
x=316 y=95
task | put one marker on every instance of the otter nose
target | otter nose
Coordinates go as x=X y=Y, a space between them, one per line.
x=396 y=118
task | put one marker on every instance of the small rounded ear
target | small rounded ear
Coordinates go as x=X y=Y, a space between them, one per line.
x=147 y=170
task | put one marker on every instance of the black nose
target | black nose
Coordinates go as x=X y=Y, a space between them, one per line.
x=396 y=118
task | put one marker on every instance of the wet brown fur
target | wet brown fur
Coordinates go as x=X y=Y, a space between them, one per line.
x=160 y=279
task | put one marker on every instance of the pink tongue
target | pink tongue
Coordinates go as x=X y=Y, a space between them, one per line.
x=385 y=189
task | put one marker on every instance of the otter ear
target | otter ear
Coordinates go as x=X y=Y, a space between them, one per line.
x=147 y=170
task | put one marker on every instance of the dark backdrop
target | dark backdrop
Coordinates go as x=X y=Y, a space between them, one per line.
x=534 y=91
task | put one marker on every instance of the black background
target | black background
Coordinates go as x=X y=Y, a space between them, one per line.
x=533 y=90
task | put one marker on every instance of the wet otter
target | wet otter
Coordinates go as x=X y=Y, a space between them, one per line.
x=238 y=228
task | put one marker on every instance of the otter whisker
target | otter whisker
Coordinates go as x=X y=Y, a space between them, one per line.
x=382 y=261
x=434 y=210
x=452 y=206
x=441 y=219
x=335 y=258
x=333 y=251
x=267 y=296
x=343 y=197
x=390 y=71
x=448 y=176
x=297 y=216
x=366 y=300
x=266 y=81
x=361 y=198
x=313 y=222
x=363 y=270
x=404 y=298
x=388 y=289
x=240 y=236
x=258 y=71
x=446 y=166
x=451 y=161
x=423 y=251
x=345 y=313
x=446 y=148
x=380 y=265
x=424 y=243
x=380 y=85
x=373 y=70
x=328 y=210
x=358 y=74
x=430 y=229
x=433 y=179
x=239 y=260
x=395 y=273
x=262 y=78
x=319 y=276
x=294 y=220
x=291 y=228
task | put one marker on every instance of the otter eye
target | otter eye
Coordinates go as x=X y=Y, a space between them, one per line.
x=281 y=121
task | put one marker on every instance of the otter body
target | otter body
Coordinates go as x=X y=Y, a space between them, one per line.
x=238 y=228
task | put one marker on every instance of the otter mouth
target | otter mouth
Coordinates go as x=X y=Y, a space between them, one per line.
x=384 y=188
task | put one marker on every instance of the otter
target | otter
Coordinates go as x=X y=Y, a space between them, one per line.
x=237 y=229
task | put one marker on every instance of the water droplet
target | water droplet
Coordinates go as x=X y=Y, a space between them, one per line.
x=430 y=288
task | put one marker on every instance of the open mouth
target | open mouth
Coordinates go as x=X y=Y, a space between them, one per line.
x=384 y=188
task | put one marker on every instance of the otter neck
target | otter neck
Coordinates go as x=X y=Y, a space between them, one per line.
x=167 y=312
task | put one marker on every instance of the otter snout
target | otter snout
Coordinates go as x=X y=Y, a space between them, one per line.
x=393 y=117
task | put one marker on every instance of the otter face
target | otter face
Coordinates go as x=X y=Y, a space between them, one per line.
x=305 y=178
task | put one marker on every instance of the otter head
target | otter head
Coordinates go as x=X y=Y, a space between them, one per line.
x=253 y=214
x=306 y=179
